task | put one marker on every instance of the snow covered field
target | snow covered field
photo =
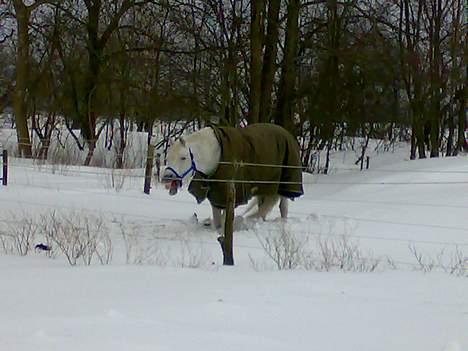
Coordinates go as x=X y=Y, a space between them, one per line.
x=180 y=297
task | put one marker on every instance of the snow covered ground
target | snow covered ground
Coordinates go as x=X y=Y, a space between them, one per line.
x=180 y=297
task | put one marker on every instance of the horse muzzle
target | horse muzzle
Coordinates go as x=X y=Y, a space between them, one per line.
x=171 y=183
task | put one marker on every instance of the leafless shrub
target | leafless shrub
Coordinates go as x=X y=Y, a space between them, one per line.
x=458 y=263
x=78 y=236
x=6 y=243
x=425 y=263
x=342 y=253
x=454 y=262
x=130 y=241
x=18 y=234
x=115 y=179
x=141 y=247
x=191 y=254
x=159 y=247
x=256 y=264
x=289 y=251
x=62 y=153
x=284 y=248
x=390 y=262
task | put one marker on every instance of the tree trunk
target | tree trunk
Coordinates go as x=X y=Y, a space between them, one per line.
x=451 y=130
x=91 y=147
x=269 y=60
x=256 y=45
x=436 y=83
x=94 y=51
x=461 y=140
x=413 y=142
x=122 y=142
x=284 y=110
x=97 y=39
x=22 y=74
x=459 y=74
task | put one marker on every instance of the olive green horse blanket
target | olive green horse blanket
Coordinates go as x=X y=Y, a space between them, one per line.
x=261 y=159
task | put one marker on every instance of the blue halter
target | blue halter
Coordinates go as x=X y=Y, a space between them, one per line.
x=192 y=168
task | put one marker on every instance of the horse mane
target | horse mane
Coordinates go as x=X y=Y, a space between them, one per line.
x=195 y=136
x=203 y=143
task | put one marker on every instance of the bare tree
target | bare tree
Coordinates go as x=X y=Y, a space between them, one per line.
x=257 y=14
x=269 y=60
x=285 y=104
x=23 y=13
x=322 y=69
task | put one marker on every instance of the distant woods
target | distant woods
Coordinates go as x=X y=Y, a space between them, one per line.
x=323 y=69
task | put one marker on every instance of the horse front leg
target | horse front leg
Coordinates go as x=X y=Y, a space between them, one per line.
x=218 y=222
x=283 y=206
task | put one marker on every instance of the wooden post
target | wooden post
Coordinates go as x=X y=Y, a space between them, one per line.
x=367 y=162
x=5 y=167
x=226 y=241
x=327 y=162
x=149 y=161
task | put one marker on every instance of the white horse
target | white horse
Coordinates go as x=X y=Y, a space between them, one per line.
x=201 y=152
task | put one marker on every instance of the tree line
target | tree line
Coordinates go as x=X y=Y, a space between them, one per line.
x=323 y=69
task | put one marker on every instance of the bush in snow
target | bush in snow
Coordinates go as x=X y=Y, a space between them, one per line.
x=452 y=262
x=284 y=248
x=17 y=234
x=78 y=236
x=140 y=247
x=289 y=250
x=157 y=247
x=341 y=253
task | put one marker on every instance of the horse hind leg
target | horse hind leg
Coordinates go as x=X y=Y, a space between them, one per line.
x=250 y=207
x=265 y=205
x=283 y=206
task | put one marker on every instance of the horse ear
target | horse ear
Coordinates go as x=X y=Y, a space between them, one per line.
x=182 y=141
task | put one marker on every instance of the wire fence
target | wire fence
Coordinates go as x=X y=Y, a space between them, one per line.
x=359 y=219
x=152 y=223
x=68 y=170
x=450 y=262
x=418 y=264
x=357 y=168
x=123 y=173
x=178 y=222
x=383 y=203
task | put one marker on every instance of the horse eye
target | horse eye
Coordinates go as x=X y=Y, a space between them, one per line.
x=183 y=158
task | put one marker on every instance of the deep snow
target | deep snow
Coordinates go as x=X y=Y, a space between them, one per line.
x=47 y=305
x=51 y=307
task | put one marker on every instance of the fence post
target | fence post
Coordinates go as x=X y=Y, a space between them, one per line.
x=149 y=163
x=226 y=241
x=5 y=167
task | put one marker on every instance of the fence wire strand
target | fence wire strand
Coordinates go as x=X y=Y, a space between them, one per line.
x=156 y=224
x=119 y=172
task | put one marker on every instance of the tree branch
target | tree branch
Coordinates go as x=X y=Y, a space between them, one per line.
x=38 y=3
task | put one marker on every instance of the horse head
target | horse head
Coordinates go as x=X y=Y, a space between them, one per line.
x=179 y=164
